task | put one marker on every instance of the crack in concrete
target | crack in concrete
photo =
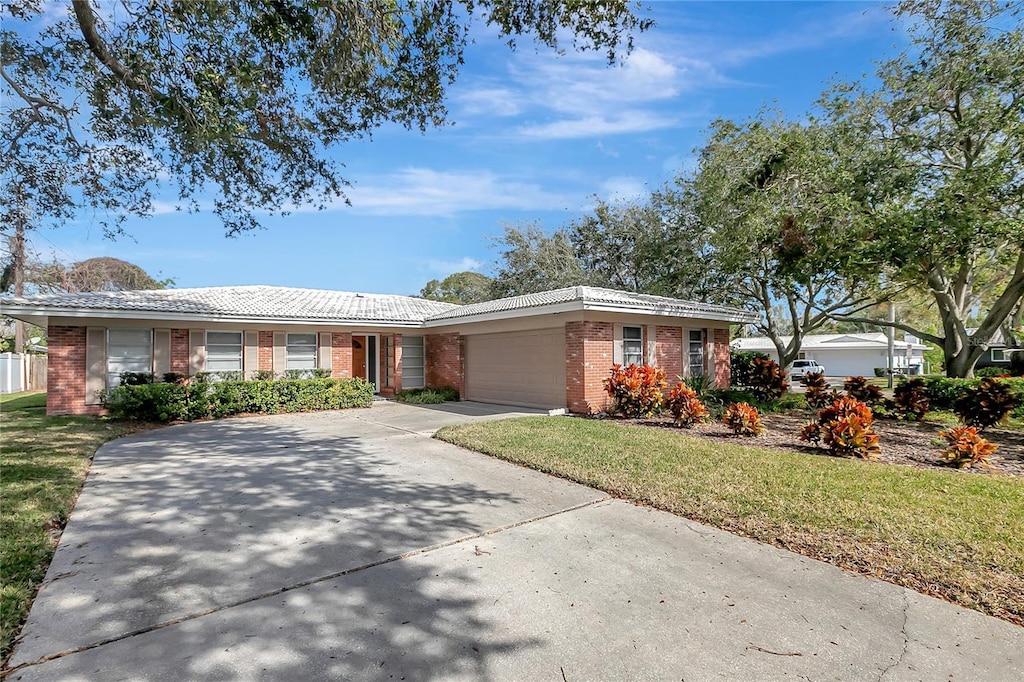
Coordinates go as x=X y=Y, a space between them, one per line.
x=906 y=638
x=305 y=583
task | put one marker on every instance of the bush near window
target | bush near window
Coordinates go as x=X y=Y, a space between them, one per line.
x=846 y=427
x=636 y=390
x=966 y=447
x=944 y=392
x=987 y=405
x=136 y=378
x=741 y=364
x=743 y=419
x=685 y=406
x=315 y=373
x=165 y=402
x=428 y=396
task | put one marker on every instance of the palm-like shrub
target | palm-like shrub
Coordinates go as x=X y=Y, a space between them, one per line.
x=911 y=399
x=636 y=390
x=863 y=390
x=966 y=447
x=846 y=427
x=685 y=406
x=743 y=419
x=986 y=405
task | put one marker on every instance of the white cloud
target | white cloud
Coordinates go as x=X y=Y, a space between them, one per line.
x=624 y=189
x=593 y=126
x=428 y=192
x=490 y=101
x=447 y=267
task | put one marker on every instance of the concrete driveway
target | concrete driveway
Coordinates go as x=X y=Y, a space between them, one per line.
x=350 y=545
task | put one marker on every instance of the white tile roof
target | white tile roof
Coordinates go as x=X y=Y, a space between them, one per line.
x=257 y=301
x=825 y=341
x=597 y=297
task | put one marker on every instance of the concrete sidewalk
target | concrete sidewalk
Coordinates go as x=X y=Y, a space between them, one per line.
x=350 y=546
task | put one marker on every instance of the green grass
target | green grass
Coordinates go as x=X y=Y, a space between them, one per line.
x=954 y=535
x=43 y=462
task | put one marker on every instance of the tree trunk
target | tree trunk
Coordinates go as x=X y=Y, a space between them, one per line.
x=17 y=246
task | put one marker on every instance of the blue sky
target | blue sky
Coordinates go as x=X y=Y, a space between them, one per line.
x=533 y=137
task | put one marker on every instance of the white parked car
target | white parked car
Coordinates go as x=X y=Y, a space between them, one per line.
x=803 y=367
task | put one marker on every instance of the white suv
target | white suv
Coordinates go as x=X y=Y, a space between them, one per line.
x=801 y=368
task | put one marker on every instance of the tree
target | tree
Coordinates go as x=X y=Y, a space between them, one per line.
x=950 y=111
x=532 y=261
x=460 y=287
x=93 y=274
x=239 y=101
x=782 y=216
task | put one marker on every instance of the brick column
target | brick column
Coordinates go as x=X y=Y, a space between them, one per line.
x=65 y=371
x=588 y=361
x=722 y=373
x=444 y=361
x=179 y=351
x=341 y=354
x=669 y=352
x=266 y=352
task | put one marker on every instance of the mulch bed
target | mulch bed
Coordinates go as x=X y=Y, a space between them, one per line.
x=903 y=443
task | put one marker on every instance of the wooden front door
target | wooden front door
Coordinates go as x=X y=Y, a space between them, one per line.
x=359 y=356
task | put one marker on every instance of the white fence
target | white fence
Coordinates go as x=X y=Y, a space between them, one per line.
x=22 y=372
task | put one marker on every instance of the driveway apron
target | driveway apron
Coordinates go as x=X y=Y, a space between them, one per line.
x=351 y=545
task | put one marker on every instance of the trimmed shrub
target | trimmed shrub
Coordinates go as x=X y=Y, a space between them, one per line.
x=263 y=375
x=175 y=378
x=427 y=396
x=313 y=373
x=743 y=419
x=202 y=399
x=740 y=365
x=860 y=388
x=944 y=392
x=767 y=380
x=992 y=372
x=966 y=447
x=910 y=399
x=846 y=427
x=685 y=406
x=987 y=405
x=636 y=391
x=136 y=378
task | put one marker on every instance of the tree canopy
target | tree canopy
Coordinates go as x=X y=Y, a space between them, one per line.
x=460 y=287
x=238 y=101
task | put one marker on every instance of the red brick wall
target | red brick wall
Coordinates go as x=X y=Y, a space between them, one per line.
x=444 y=361
x=266 y=351
x=179 y=351
x=341 y=354
x=668 y=344
x=588 y=360
x=722 y=355
x=65 y=372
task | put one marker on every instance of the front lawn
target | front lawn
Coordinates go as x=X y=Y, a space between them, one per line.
x=956 y=536
x=43 y=461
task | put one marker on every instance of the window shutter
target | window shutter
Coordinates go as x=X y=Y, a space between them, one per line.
x=196 y=351
x=161 y=352
x=280 y=352
x=651 y=350
x=251 y=354
x=95 y=364
x=617 y=344
x=323 y=351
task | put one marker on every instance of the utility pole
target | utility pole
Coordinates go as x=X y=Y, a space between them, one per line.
x=890 y=332
x=17 y=246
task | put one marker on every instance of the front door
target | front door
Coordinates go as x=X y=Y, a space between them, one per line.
x=359 y=356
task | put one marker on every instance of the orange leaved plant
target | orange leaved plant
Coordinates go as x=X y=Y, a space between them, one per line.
x=966 y=447
x=846 y=427
x=636 y=390
x=743 y=419
x=685 y=406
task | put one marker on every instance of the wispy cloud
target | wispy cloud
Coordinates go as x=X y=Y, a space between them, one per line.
x=594 y=126
x=623 y=189
x=447 y=267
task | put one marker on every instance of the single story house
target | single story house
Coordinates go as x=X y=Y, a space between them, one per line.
x=548 y=350
x=845 y=355
x=998 y=352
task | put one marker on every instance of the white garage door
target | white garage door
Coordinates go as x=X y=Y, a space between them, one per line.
x=517 y=368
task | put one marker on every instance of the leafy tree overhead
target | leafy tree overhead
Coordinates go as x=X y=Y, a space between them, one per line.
x=950 y=112
x=531 y=260
x=460 y=287
x=93 y=274
x=237 y=100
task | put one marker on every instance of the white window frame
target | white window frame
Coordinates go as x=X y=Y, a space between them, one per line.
x=419 y=365
x=113 y=378
x=288 y=345
x=631 y=342
x=1002 y=357
x=690 y=354
x=241 y=349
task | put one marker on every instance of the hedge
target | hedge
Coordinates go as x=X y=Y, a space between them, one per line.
x=943 y=392
x=168 y=402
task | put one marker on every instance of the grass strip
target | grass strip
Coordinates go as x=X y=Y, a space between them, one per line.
x=952 y=535
x=43 y=463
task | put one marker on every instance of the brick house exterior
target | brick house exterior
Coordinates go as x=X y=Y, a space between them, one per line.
x=550 y=350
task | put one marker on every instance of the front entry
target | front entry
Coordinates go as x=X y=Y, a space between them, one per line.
x=364 y=355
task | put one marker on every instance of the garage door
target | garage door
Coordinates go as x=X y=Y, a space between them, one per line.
x=517 y=368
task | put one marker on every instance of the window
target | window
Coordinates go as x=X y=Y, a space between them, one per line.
x=223 y=352
x=128 y=350
x=300 y=351
x=696 y=352
x=632 y=346
x=1000 y=355
x=413 y=375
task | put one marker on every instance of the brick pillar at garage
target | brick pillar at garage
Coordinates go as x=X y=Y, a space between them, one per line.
x=179 y=351
x=341 y=355
x=722 y=358
x=65 y=371
x=588 y=361
x=444 y=362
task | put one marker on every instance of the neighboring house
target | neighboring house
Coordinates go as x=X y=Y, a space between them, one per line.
x=547 y=350
x=998 y=352
x=847 y=354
